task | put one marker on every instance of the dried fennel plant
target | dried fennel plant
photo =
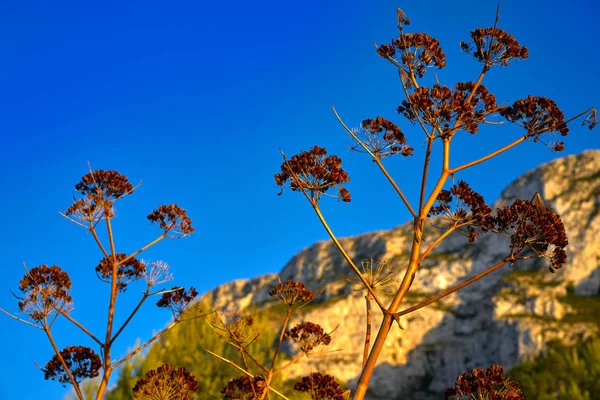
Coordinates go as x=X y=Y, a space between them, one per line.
x=534 y=229
x=237 y=330
x=46 y=289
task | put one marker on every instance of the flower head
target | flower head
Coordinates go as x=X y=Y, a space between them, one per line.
x=172 y=219
x=493 y=46
x=484 y=384
x=308 y=336
x=383 y=138
x=320 y=387
x=177 y=300
x=237 y=327
x=46 y=290
x=128 y=271
x=314 y=173
x=537 y=115
x=244 y=388
x=291 y=292
x=414 y=52
x=166 y=383
x=81 y=361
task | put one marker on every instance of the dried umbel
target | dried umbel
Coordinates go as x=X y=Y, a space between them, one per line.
x=470 y=208
x=291 y=293
x=537 y=115
x=488 y=384
x=441 y=107
x=156 y=272
x=100 y=190
x=177 y=300
x=493 y=46
x=414 y=52
x=166 y=383
x=383 y=138
x=314 y=172
x=320 y=387
x=46 y=290
x=81 y=361
x=532 y=225
x=378 y=275
x=308 y=336
x=172 y=219
x=244 y=388
x=130 y=270
x=237 y=327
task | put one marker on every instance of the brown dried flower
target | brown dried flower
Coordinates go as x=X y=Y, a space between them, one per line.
x=314 y=173
x=129 y=271
x=237 y=327
x=166 y=383
x=244 y=388
x=100 y=190
x=530 y=224
x=383 y=138
x=320 y=387
x=172 y=219
x=416 y=52
x=81 y=361
x=493 y=46
x=308 y=336
x=488 y=384
x=441 y=107
x=46 y=289
x=470 y=208
x=537 y=115
x=291 y=293
x=177 y=300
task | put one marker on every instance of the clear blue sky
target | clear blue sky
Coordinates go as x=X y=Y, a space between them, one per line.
x=195 y=98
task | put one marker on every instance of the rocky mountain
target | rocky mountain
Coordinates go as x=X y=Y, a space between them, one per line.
x=505 y=318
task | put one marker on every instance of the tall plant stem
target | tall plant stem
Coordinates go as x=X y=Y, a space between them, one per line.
x=367 y=329
x=409 y=276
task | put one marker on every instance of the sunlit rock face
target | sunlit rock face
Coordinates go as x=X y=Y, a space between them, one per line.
x=505 y=318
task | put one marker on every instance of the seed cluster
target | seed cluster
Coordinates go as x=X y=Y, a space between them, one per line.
x=320 y=387
x=314 y=173
x=415 y=52
x=172 y=219
x=291 y=292
x=166 y=383
x=383 y=138
x=129 y=271
x=45 y=288
x=489 y=384
x=244 y=388
x=237 y=327
x=442 y=107
x=308 y=336
x=177 y=300
x=493 y=46
x=82 y=362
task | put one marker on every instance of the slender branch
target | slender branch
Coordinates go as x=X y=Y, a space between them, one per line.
x=283 y=326
x=425 y=172
x=97 y=239
x=146 y=247
x=62 y=360
x=21 y=320
x=77 y=324
x=454 y=288
x=72 y=220
x=135 y=310
x=379 y=164
x=438 y=241
x=493 y=154
x=367 y=331
x=278 y=370
x=143 y=346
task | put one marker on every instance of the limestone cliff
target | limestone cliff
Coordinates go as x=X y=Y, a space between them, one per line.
x=505 y=318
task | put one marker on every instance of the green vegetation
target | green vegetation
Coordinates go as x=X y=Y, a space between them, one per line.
x=562 y=373
x=584 y=309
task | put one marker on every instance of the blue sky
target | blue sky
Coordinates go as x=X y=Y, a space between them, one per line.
x=194 y=99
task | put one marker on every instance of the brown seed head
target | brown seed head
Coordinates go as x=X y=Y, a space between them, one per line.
x=383 y=138
x=129 y=271
x=291 y=293
x=314 y=173
x=320 y=387
x=485 y=384
x=177 y=300
x=493 y=46
x=166 y=383
x=244 y=388
x=82 y=362
x=308 y=336
x=414 y=52
x=45 y=289
x=172 y=219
